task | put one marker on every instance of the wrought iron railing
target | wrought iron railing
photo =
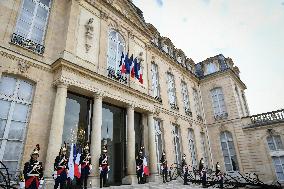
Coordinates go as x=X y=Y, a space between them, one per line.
x=5 y=177
x=27 y=43
x=268 y=118
x=221 y=116
x=116 y=75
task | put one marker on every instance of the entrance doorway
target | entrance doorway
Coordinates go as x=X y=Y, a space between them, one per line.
x=114 y=136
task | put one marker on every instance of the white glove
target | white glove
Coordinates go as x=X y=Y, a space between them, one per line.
x=55 y=175
x=91 y=166
x=100 y=169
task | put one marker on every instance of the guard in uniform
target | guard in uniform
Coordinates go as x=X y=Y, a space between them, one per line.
x=185 y=169
x=219 y=175
x=164 y=167
x=139 y=167
x=202 y=172
x=33 y=171
x=61 y=168
x=85 y=162
x=103 y=167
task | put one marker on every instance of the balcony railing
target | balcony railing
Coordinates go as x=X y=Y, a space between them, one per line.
x=267 y=118
x=199 y=118
x=116 y=76
x=174 y=106
x=27 y=43
x=159 y=99
x=221 y=116
x=188 y=112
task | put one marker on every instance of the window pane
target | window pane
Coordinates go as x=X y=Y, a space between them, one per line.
x=12 y=150
x=2 y=128
x=16 y=130
x=278 y=142
x=20 y=112
x=4 y=110
x=7 y=85
x=29 y=5
x=45 y=2
x=25 y=91
x=228 y=167
x=42 y=13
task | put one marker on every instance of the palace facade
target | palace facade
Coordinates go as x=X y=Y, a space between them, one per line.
x=61 y=82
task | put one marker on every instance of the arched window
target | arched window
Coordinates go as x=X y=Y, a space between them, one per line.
x=177 y=142
x=192 y=149
x=218 y=103
x=158 y=140
x=229 y=153
x=116 y=46
x=275 y=144
x=16 y=97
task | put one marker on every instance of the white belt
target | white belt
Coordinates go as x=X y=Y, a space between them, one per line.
x=31 y=175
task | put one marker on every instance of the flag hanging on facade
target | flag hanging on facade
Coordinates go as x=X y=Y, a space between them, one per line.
x=122 y=64
x=145 y=167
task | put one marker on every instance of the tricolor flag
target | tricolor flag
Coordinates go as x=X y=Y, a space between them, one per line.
x=145 y=167
x=71 y=163
x=122 y=63
x=77 y=166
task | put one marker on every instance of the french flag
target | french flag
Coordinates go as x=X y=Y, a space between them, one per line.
x=145 y=167
x=77 y=166
x=71 y=163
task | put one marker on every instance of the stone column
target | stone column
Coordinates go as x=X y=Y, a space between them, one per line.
x=152 y=148
x=95 y=147
x=56 y=131
x=130 y=156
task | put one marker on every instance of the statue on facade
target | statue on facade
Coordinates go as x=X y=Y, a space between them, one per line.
x=103 y=167
x=85 y=162
x=33 y=171
x=61 y=168
x=89 y=34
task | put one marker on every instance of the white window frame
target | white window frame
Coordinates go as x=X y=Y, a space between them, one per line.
x=274 y=143
x=171 y=89
x=158 y=131
x=37 y=4
x=177 y=144
x=192 y=147
x=14 y=100
x=229 y=137
x=155 y=80
x=184 y=92
x=217 y=92
x=196 y=102
x=204 y=148
x=281 y=165
x=118 y=43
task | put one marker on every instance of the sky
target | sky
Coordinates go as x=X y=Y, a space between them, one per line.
x=251 y=32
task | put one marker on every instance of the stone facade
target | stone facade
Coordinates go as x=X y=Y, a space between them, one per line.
x=75 y=59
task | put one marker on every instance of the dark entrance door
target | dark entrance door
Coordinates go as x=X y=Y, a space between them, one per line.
x=114 y=135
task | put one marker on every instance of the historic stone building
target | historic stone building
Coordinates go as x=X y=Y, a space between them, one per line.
x=61 y=80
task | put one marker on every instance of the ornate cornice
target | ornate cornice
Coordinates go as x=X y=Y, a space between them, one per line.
x=25 y=64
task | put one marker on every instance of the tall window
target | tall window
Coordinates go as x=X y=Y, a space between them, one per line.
x=245 y=104
x=192 y=149
x=239 y=100
x=171 y=89
x=196 y=102
x=211 y=68
x=32 y=20
x=218 y=102
x=204 y=149
x=177 y=140
x=159 y=141
x=275 y=144
x=155 y=81
x=116 y=46
x=15 y=100
x=184 y=92
x=229 y=153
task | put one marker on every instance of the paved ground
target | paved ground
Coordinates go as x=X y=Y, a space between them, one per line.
x=158 y=185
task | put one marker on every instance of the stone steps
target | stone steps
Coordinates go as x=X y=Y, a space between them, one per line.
x=157 y=185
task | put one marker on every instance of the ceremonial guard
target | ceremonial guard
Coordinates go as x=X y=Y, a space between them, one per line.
x=103 y=167
x=61 y=168
x=219 y=174
x=85 y=162
x=185 y=169
x=164 y=167
x=33 y=171
x=139 y=166
x=202 y=172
